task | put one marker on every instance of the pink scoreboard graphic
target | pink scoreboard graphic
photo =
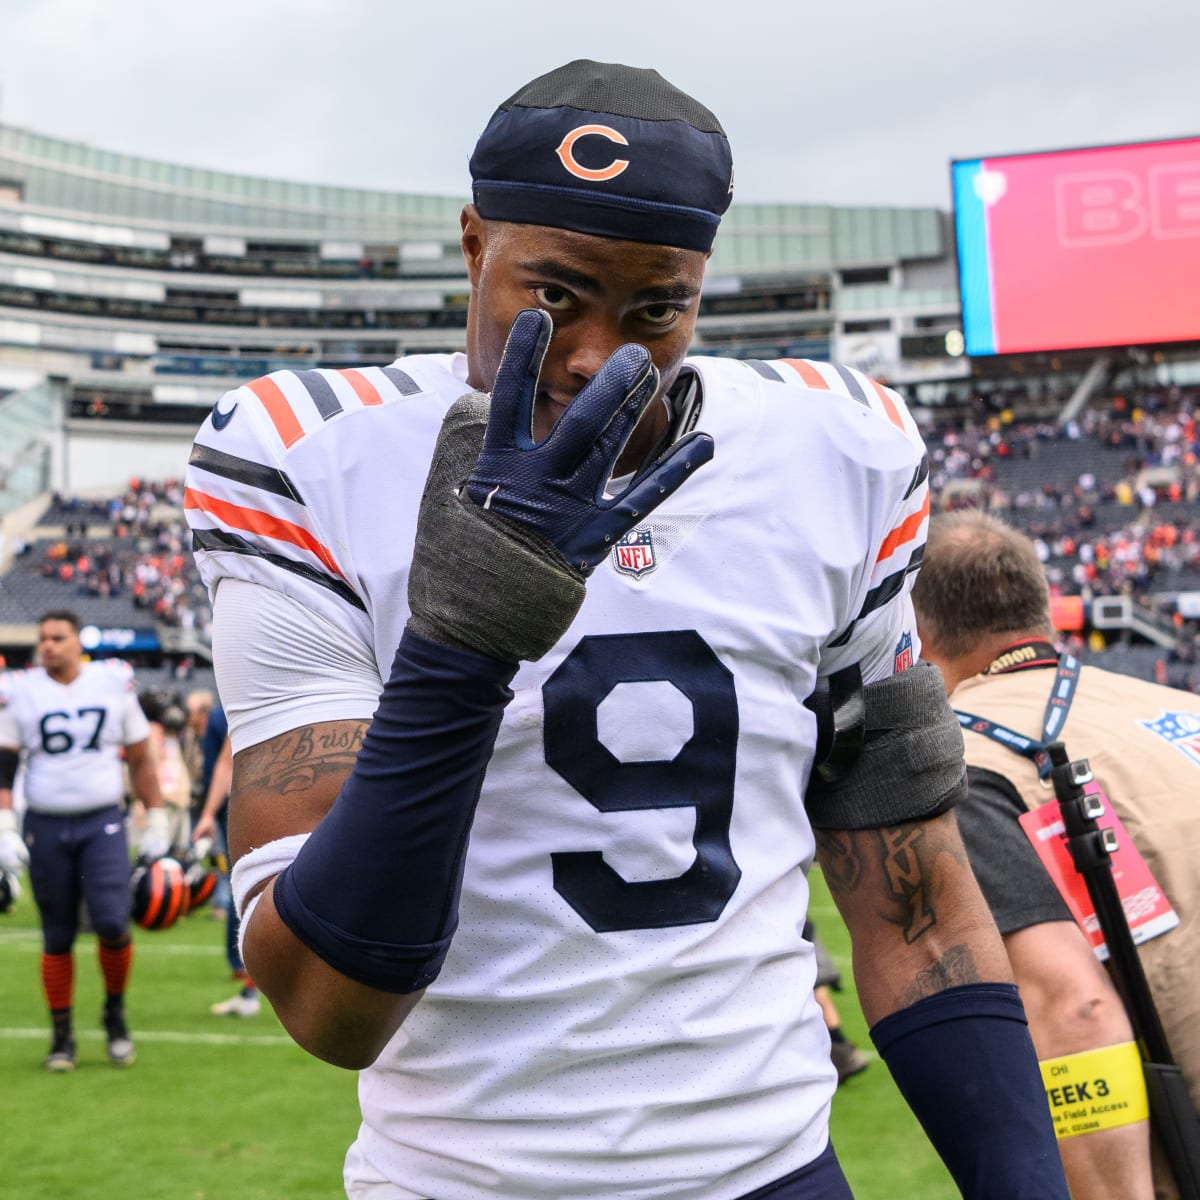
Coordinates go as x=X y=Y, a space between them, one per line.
x=1079 y=248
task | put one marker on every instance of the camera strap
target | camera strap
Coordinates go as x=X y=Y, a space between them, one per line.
x=1066 y=679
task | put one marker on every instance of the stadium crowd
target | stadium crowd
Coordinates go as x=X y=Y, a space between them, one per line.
x=134 y=546
x=1109 y=500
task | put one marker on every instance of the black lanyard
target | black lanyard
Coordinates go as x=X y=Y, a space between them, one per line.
x=1055 y=717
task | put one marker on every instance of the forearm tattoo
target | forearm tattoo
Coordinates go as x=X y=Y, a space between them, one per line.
x=840 y=863
x=907 y=877
x=899 y=860
x=954 y=968
x=897 y=864
x=298 y=761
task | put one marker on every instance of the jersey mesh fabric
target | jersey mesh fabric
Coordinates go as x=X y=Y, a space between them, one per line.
x=327 y=677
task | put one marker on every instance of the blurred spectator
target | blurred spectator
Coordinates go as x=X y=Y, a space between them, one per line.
x=144 y=553
x=168 y=719
x=218 y=774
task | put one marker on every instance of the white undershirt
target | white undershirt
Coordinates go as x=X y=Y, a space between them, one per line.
x=326 y=675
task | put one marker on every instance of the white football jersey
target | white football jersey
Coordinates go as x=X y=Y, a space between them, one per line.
x=70 y=734
x=626 y=1008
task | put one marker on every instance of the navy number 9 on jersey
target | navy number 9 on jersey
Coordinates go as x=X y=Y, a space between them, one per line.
x=700 y=776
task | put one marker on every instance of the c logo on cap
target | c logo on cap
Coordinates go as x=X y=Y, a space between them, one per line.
x=566 y=153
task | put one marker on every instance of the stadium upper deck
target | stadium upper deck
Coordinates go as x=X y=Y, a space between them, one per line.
x=134 y=292
x=153 y=286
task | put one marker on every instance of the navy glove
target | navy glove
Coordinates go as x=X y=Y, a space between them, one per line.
x=509 y=529
x=554 y=489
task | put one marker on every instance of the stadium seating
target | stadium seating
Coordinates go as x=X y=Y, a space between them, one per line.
x=124 y=564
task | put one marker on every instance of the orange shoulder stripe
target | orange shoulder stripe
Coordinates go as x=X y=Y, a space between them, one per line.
x=904 y=532
x=278 y=409
x=362 y=386
x=889 y=405
x=807 y=372
x=255 y=521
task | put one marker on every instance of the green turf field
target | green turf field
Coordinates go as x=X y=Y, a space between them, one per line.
x=214 y=1108
x=228 y=1109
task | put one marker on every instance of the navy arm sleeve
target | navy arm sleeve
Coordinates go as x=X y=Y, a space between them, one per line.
x=965 y=1062
x=374 y=890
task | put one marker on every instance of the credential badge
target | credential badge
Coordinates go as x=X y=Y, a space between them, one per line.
x=634 y=553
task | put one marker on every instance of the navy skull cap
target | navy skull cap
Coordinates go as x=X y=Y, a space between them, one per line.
x=609 y=150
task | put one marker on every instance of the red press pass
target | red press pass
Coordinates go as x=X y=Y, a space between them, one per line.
x=1146 y=908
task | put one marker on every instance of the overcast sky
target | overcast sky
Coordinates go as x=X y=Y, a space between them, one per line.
x=841 y=102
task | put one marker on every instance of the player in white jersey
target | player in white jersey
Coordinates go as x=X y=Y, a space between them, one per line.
x=604 y=991
x=68 y=722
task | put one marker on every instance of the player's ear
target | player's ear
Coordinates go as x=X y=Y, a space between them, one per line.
x=474 y=241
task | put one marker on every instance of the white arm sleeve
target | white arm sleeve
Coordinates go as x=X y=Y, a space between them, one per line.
x=280 y=665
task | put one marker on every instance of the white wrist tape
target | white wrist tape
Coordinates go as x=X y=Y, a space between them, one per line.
x=261 y=864
x=244 y=924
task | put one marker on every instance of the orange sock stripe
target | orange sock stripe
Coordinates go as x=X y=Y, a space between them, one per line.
x=58 y=980
x=115 y=966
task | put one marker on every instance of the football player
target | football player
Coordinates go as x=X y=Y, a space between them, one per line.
x=68 y=721
x=584 y=975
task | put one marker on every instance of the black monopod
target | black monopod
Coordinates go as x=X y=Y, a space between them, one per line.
x=1171 y=1110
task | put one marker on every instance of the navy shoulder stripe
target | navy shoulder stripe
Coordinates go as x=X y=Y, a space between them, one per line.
x=764 y=369
x=403 y=382
x=323 y=395
x=852 y=385
x=242 y=470
x=919 y=476
x=220 y=539
x=878 y=596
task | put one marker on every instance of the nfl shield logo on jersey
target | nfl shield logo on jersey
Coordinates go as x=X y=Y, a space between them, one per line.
x=1181 y=729
x=902 y=659
x=634 y=553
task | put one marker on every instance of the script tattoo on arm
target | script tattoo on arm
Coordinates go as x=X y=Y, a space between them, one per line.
x=300 y=760
x=288 y=783
x=900 y=873
x=903 y=864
